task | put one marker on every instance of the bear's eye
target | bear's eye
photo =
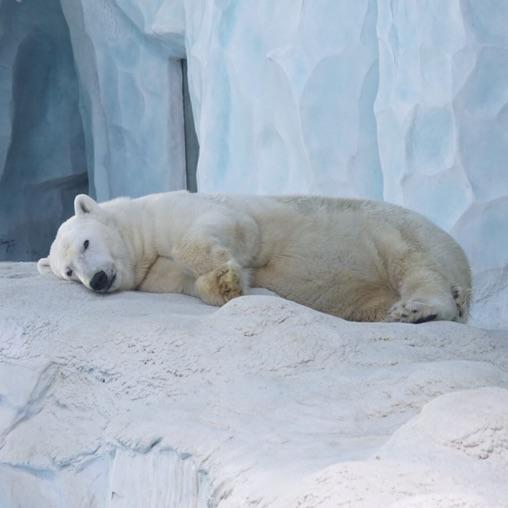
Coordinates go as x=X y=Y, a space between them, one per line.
x=86 y=243
x=68 y=272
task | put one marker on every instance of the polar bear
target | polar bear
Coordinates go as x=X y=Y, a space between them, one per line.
x=356 y=259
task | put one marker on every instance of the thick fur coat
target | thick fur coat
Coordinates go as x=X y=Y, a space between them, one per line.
x=357 y=259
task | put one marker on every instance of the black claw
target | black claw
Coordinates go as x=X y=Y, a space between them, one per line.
x=424 y=319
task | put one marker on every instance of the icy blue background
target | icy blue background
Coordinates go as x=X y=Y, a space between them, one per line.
x=402 y=100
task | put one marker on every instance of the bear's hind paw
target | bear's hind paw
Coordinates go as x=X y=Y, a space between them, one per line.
x=413 y=311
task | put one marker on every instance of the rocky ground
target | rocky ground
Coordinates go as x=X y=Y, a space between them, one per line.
x=142 y=400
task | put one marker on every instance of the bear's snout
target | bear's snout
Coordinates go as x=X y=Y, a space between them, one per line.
x=99 y=281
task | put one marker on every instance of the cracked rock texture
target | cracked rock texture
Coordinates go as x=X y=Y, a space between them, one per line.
x=134 y=400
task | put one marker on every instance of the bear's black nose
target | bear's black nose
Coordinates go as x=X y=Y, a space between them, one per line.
x=99 y=281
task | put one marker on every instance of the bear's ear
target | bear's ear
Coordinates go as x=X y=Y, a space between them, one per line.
x=43 y=266
x=84 y=204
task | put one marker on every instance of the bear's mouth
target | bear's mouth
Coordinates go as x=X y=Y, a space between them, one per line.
x=111 y=282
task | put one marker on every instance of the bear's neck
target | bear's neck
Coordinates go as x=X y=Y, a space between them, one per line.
x=136 y=225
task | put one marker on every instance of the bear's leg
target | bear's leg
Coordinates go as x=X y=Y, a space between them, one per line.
x=425 y=295
x=215 y=287
x=219 y=277
x=168 y=276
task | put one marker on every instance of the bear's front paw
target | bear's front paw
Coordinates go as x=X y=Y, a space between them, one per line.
x=220 y=285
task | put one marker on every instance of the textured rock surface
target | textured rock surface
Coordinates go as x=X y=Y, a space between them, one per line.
x=136 y=400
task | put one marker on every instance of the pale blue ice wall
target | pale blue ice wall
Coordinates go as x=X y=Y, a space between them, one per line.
x=283 y=93
x=131 y=97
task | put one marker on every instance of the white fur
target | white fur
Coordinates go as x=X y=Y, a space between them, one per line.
x=357 y=259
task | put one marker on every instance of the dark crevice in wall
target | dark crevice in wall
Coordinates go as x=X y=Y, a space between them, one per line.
x=191 y=139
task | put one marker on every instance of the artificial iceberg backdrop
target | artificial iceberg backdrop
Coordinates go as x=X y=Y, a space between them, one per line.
x=136 y=400
x=400 y=100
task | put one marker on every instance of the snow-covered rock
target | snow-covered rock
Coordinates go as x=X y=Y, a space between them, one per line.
x=133 y=399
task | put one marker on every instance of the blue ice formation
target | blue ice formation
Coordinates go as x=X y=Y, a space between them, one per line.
x=42 y=148
x=402 y=100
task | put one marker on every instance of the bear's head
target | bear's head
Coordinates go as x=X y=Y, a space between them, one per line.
x=89 y=248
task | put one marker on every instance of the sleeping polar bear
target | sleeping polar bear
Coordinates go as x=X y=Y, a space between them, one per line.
x=356 y=259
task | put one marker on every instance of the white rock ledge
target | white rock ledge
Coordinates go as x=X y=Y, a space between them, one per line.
x=141 y=400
